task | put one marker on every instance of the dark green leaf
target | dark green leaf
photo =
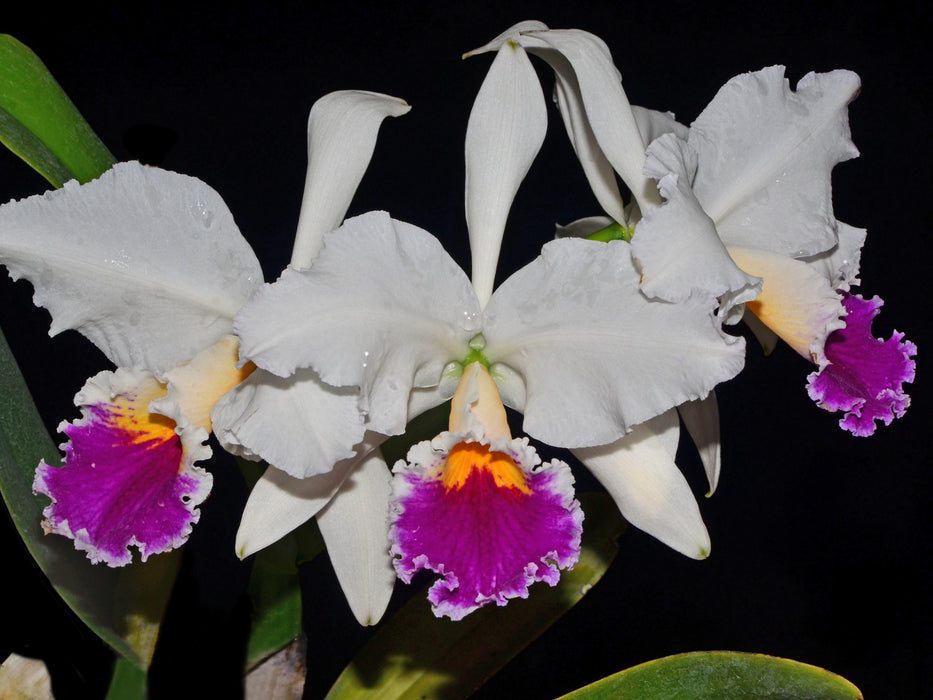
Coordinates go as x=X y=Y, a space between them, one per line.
x=123 y=606
x=720 y=675
x=416 y=655
x=40 y=124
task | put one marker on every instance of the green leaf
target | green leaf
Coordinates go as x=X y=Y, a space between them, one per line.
x=127 y=683
x=720 y=674
x=416 y=655
x=122 y=606
x=40 y=124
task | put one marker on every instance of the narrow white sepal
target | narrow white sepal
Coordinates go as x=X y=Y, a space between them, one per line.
x=512 y=33
x=701 y=418
x=607 y=108
x=504 y=134
x=639 y=473
x=146 y=263
x=596 y=167
x=279 y=503
x=355 y=529
x=342 y=130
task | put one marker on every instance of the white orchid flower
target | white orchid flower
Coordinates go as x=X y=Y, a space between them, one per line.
x=150 y=266
x=609 y=136
x=569 y=340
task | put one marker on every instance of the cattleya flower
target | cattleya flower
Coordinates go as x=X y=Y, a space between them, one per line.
x=748 y=196
x=150 y=266
x=568 y=340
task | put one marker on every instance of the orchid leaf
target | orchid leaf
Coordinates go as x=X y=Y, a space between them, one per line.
x=122 y=606
x=417 y=655
x=127 y=683
x=720 y=674
x=40 y=124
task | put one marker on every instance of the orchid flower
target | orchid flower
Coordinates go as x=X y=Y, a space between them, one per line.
x=150 y=266
x=609 y=136
x=748 y=213
x=568 y=340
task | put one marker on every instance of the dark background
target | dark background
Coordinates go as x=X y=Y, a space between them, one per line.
x=820 y=540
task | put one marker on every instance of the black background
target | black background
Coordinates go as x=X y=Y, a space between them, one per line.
x=820 y=540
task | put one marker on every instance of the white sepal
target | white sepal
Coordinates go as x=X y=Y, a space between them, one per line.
x=383 y=308
x=606 y=106
x=297 y=423
x=766 y=155
x=279 y=503
x=504 y=134
x=639 y=473
x=701 y=418
x=355 y=529
x=342 y=130
x=146 y=263
x=596 y=355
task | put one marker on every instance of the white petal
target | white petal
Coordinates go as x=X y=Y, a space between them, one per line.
x=383 y=308
x=607 y=108
x=342 y=129
x=701 y=418
x=504 y=134
x=765 y=158
x=840 y=264
x=298 y=423
x=146 y=263
x=355 y=529
x=676 y=245
x=639 y=473
x=596 y=355
x=279 y=503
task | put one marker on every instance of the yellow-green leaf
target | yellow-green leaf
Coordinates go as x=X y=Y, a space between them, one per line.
x=40 y=124
x=416 y=655
x=720 y=674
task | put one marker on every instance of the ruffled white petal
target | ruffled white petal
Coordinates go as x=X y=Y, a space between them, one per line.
x=701 y=418
x=298 y=423
x=765 y=158
x=676 y=245
x=279 y=503
x=342 y=130
x=639 y=473
x=383 y=308
x=504 y=134
x=355 y=529
x=596 y=355
x=146 y=263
